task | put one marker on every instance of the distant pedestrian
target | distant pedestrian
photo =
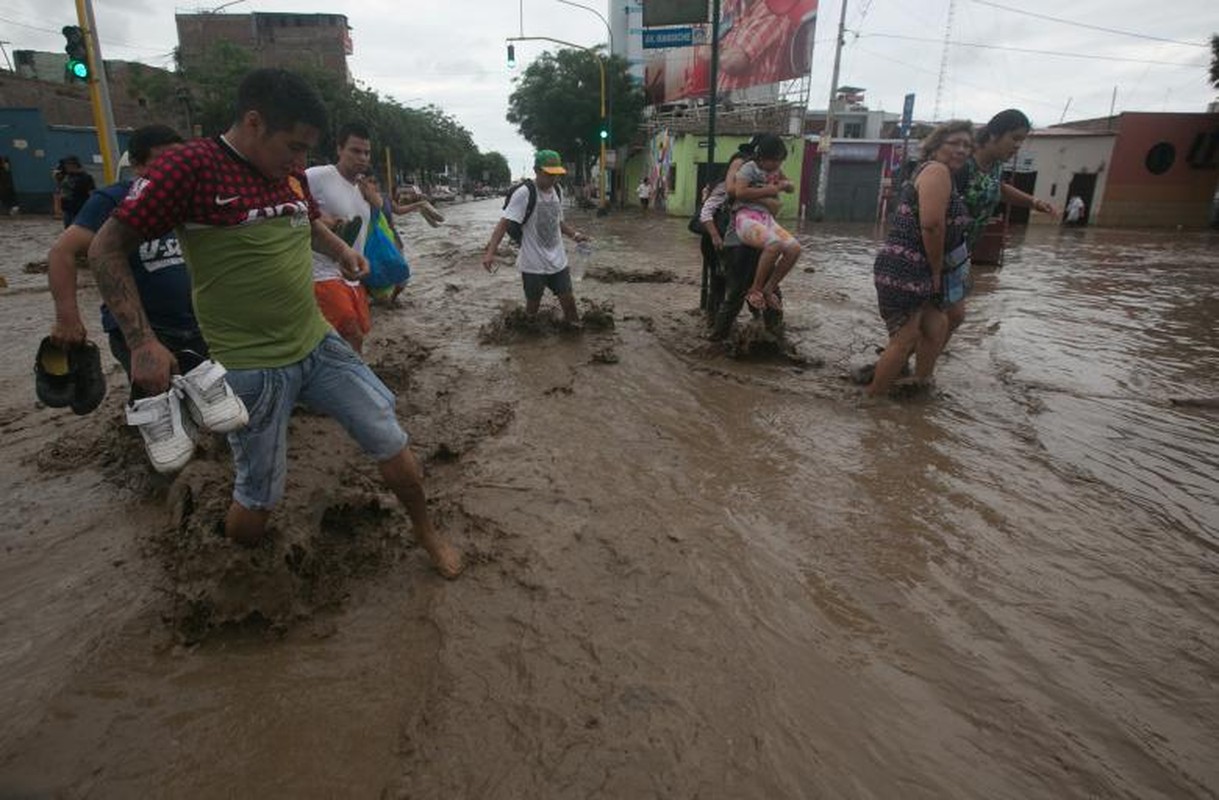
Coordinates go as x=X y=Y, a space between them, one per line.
x=75 y=186
x=644 y=192
x=1076 y=211
x=8 y=193
x=537 y=208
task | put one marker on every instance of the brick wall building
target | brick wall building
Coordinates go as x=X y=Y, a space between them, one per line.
x=320 y=41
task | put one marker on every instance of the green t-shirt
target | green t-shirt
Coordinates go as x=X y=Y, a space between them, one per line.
x=253 y=291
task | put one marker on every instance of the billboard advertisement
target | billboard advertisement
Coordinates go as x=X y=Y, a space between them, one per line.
x=761 y=42
x=674 y=12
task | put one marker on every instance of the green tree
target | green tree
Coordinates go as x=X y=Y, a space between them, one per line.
x=421 y=141
x=491 y=168
x=1215 y=61
x=212 y=85
x=557 y=104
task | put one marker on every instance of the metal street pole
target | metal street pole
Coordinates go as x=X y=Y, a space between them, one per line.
x=715 y=78
x=704 y=291
x=99 y=92
x=827 y=136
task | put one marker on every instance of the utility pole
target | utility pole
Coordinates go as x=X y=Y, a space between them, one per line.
x=715 y=79
x=99 y=92
x=827 y=136
x=939 y=88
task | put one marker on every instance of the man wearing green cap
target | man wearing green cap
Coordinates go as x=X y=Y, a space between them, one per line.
x=536 y=207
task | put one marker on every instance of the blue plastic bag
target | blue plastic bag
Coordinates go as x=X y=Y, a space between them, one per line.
x=387 y=266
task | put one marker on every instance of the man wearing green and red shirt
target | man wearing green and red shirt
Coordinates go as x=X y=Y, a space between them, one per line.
x=247 y=225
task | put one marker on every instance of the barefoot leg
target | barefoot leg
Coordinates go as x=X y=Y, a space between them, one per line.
x=404 y=475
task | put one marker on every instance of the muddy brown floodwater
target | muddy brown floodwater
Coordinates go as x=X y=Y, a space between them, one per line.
x=691 y=575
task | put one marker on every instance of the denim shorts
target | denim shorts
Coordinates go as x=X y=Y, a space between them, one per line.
x=331 y=380
x=536 y=284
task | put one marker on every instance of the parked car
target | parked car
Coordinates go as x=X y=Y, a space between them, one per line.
x=440 y=194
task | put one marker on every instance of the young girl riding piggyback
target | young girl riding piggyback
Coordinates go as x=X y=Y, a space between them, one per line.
x=756 y=226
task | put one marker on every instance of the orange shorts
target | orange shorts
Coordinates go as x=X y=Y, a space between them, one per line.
x=345 y=307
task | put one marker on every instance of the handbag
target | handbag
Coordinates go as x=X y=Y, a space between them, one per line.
x=387 y=266
x=954 y=282
x=694 y=225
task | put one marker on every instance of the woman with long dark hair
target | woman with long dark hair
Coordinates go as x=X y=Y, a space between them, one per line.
x=982 y=186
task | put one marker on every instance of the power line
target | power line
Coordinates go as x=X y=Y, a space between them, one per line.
x=1086 y=25
x=56 y=31
x=920 y=68
x=1056 y=53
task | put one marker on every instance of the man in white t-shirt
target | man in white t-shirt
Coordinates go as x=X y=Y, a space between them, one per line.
x=543 y=259
x=338 y=190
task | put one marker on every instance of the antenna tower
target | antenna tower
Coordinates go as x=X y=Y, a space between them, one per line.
x=939 y=87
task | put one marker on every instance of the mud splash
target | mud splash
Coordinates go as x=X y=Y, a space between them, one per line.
x=305 y=564
x=616 y=275
x=511 y=323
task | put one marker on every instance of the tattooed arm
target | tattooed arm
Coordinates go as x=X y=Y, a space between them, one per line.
x=151 y=362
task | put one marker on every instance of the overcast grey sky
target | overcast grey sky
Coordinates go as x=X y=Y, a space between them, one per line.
x=452 y=52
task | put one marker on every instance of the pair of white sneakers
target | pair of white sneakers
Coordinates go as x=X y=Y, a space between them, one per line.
x=169 y=434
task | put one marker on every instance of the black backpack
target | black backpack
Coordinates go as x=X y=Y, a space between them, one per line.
x=516 y=228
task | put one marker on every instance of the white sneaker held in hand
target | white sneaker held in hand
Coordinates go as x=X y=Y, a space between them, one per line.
x=167 y=434
x=210 y=399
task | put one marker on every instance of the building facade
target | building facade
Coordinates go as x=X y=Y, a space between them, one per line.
x=316 y=41
x=680 y=161
x=1138 y=169
x=34 y=148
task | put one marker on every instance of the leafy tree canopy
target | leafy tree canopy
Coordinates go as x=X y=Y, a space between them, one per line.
x=491 y=168
x=557 y=104
x=1215 y=61
x=421 y=141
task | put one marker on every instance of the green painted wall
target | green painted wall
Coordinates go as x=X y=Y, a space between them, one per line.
x=687 y=155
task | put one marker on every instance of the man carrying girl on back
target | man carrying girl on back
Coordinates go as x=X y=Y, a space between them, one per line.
x=755 y=224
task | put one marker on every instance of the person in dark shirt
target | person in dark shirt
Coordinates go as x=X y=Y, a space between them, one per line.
x=74 y=188
x=160 y=272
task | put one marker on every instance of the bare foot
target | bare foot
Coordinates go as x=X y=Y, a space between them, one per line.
x=446 y=558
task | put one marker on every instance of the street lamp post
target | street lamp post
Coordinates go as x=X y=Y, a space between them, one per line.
x=604 y=204
x=601 y=64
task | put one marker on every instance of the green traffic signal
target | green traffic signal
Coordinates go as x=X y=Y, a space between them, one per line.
x=604 y=133
x=78 y=54
x=511 y=57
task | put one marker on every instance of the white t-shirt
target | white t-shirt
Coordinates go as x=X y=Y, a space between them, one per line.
x=542 y=251
x=644 y=192
x=338 y=197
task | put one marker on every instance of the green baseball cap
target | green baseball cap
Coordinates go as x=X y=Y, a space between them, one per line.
x=549 y=161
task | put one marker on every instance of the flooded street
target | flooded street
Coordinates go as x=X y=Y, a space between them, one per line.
x=692 y=575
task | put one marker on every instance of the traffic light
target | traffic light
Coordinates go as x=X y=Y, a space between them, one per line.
x=78 y=54
x=604 y=132
x=511 y=57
